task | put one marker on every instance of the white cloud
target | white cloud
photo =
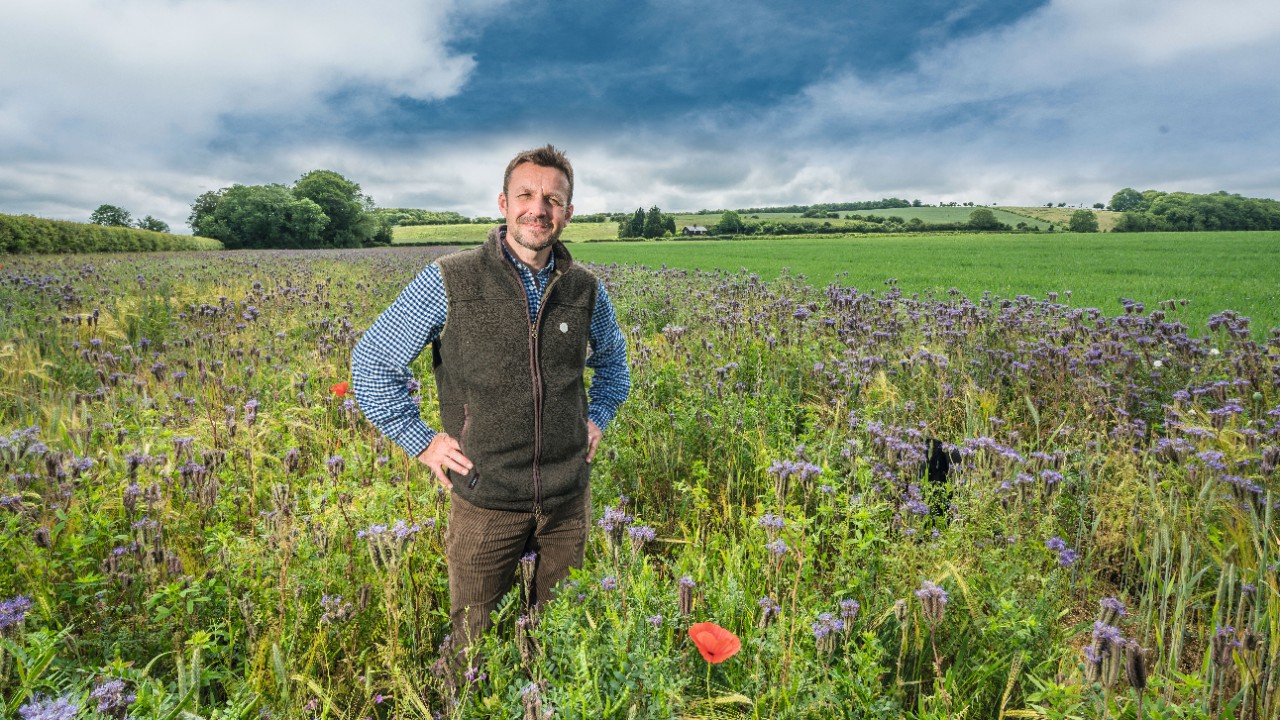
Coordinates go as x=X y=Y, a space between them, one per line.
x=150 y=76
x=120 y=101
x=1072 y=102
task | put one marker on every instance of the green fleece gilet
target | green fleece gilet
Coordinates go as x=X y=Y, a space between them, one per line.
x=511 y=390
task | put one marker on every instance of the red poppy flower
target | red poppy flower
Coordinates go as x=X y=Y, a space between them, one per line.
x=714 y=642
x=340 y=389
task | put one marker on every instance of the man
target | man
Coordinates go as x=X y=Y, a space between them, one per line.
x=509 y=324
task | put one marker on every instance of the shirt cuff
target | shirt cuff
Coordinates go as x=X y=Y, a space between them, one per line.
x=415 y=439
x=600 y=415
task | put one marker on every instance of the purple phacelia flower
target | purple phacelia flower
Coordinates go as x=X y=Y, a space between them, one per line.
x=827 y=624
x=113 y=697
x=614 y=519
x=42 y=707
x=849 y=609
x=404 y=531
x=772 y=522
x=642 y=533
x=768 y=606
x=13 y=611
x=1108 y=634
x=1114 y=605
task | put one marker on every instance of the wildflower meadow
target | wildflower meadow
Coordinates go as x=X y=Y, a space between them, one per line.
x=819 y=502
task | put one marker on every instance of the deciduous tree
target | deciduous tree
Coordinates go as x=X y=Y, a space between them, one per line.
x=1083 y=221
x=267 y=216
x=984 y=219
x=111 y=215
x=153 y=223
x=351 y=223
x=1126 y=200
x=730 y=224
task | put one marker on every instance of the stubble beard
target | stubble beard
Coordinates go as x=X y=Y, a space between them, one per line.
x=517 y=233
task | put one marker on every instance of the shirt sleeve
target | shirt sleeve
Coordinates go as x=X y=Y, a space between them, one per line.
x=611 y=383
x=380 y=360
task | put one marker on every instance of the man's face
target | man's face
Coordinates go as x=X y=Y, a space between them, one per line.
x=536 y=205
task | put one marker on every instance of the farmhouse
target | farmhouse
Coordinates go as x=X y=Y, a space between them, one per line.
x=693 y=230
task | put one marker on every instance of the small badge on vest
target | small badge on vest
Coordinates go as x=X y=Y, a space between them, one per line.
x=564 y=327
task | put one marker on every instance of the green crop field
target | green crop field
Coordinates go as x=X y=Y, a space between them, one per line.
x=898 y=507
x=475 y=232
x=1215 y=271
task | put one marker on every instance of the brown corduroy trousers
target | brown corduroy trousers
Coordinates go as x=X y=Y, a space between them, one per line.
x=483 y=548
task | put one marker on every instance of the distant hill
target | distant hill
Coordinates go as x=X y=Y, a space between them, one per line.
x=928 y=214
x=1060 y=216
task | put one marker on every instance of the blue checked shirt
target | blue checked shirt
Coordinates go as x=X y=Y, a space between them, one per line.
x=380 y=361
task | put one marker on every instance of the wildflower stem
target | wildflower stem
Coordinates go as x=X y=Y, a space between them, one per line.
x=795 y=599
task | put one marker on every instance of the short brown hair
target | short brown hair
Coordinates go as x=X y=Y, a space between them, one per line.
x=545 y=156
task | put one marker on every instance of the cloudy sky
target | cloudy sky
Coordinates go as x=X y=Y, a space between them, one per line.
x=687 y=105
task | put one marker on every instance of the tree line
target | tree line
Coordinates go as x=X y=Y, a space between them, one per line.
x=882 y=204
x=116 y=216
x=651 y=224
x=1155 y=210
x=322 y=209
x=980 y=220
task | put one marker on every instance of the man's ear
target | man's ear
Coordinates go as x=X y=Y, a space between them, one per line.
x=568 y=212
x=502 y=204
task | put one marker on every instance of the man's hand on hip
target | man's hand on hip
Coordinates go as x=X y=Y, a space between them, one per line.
x=444 y=453
x=593 y=439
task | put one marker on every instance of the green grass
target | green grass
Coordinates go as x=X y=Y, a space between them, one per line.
x=1215 y=271
x=575 y=232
